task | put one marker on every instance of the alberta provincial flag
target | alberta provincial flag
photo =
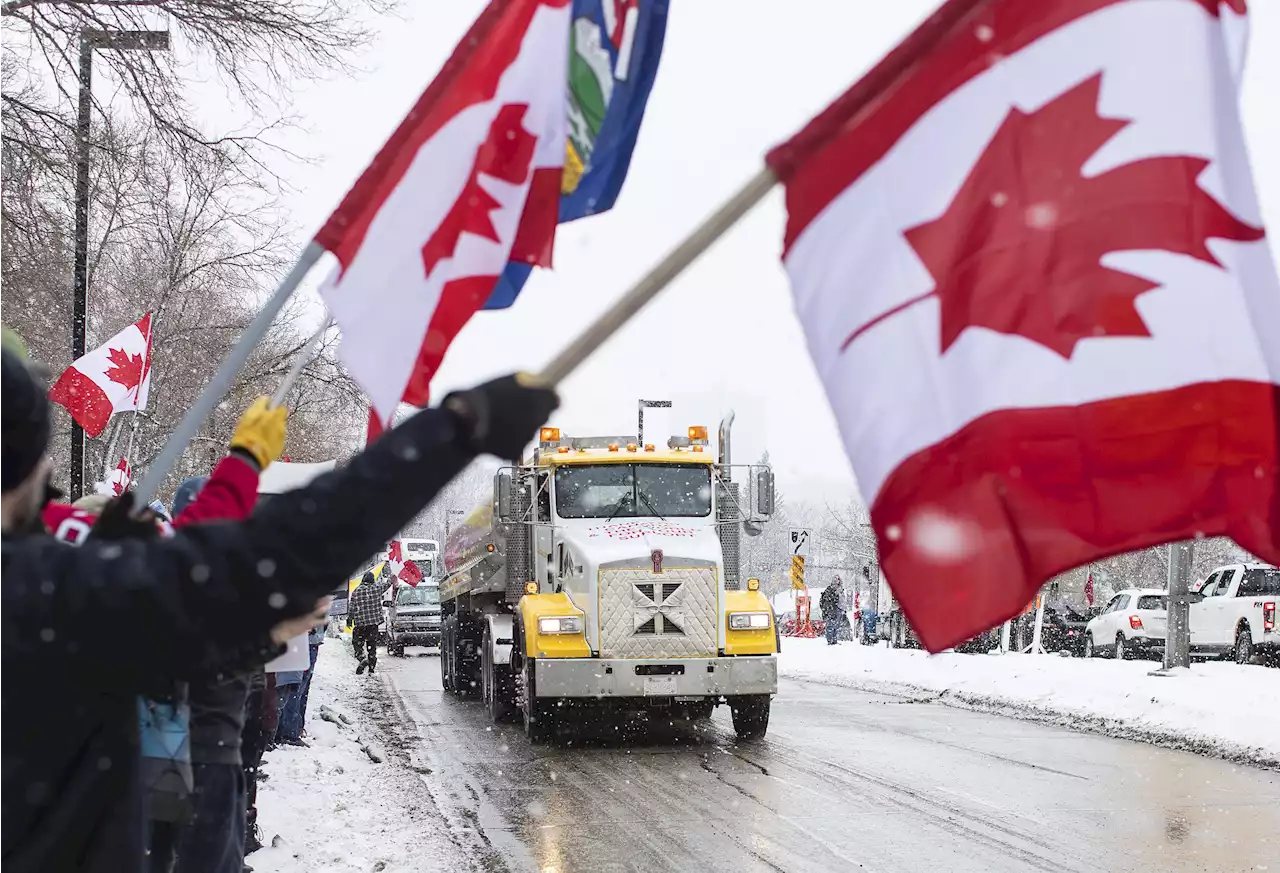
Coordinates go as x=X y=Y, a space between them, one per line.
x=614 y=49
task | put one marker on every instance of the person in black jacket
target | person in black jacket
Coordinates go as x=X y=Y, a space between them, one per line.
x=832 y=606
x=71 y=799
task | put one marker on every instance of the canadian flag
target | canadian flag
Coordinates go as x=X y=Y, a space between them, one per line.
x=121 y=477
x=115 y=377
x=1088 y=590
x=469 y=181
x=1030 y=265
x=402 y=570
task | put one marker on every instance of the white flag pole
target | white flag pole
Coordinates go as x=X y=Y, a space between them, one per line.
x=222 y=380
x=658 y=278
x=305 y=356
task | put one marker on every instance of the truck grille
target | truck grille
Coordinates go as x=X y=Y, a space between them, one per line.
x=647 y=615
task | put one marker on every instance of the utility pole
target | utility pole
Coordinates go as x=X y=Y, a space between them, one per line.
x=107 y=40
x=650 y=404
x=1177 y=647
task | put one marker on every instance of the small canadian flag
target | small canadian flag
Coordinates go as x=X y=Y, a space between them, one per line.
x=115 y=377
x=121 y=477
x=402 y=570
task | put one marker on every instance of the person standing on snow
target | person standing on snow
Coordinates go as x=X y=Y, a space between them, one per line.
x=204 y=831
x=71 y=798
x=314 y=641
x=832 y=606
x=365 y=609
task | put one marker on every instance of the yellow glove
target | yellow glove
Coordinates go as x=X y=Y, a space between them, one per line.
x=261 y=431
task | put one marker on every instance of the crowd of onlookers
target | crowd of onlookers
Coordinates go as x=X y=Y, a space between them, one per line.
x=135 y=640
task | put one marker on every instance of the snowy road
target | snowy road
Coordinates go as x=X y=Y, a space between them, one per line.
x=845 y=780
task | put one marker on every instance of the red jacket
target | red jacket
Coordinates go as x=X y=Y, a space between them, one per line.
x=230 y=493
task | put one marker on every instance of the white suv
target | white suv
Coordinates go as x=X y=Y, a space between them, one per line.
x=1134 y=620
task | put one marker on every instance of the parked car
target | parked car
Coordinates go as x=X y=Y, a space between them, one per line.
x=1233 y=612
x=1134 y=621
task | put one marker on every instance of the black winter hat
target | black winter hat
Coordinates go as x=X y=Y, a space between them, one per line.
x=26 y=423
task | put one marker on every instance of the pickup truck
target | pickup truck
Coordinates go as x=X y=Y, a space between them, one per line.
x=1233 y=612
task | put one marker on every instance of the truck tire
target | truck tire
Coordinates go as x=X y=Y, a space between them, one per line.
x=750 y=715
x=539 y=717
x=1243 y=650
x=495 y=682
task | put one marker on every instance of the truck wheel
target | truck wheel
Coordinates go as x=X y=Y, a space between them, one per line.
x=495 y=682
x=446 y=677
x=1244 y=646
x=750 y=715
x=539 y=716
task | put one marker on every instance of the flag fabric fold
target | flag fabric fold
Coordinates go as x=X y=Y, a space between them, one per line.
x=1030 y=265
x=469 y=181
x=115 y=377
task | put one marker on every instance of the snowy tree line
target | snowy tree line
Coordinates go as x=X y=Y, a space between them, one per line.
x=183 y=222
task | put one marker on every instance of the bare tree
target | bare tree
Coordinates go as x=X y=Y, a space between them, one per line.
x=255 y=45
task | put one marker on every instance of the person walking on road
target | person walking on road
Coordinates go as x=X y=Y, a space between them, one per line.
x=72 y=796
x=365 y=609
x=832 y=606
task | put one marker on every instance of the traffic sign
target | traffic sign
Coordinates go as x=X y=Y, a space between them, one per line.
x=801 y=537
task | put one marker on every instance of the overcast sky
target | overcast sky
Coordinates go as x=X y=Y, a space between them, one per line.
x=736 y=77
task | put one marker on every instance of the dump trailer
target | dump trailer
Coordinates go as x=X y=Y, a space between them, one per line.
x=604 y=575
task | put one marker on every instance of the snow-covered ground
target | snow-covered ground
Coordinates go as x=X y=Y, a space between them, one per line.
x=331 y=807
x=1215 y=708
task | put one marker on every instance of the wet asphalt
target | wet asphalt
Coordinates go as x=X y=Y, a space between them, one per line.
x=844 y=781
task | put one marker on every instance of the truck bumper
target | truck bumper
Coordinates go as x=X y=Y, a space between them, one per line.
x=429 y=638
x=658 y=678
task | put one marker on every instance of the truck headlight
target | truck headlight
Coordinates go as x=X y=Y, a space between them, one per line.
x=748 y=621
x=565 y=624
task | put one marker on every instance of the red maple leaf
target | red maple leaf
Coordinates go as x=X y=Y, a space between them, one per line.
x=506 y=154
x=126 y=369
x=1019 y=249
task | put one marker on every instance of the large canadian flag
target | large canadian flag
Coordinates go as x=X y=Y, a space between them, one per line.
x=1032 y=273
x=400 y=569
x=115 y=377
x=469 y=181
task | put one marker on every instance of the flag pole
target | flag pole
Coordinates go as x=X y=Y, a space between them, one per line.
x=305 y=356
x=222 y=380
x=658 y=278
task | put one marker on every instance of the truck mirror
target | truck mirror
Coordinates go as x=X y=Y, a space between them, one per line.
x=752 y=528
x=504 y=495
x=764 y=492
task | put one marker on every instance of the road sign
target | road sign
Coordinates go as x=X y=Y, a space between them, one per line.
x=797 y=571
x=801 y=537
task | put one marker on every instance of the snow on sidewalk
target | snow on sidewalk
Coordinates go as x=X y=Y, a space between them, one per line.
x=1215 y=708
x=334 y=809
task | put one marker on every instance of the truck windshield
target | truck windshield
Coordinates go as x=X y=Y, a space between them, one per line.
x=423 y=595
x=633 y=490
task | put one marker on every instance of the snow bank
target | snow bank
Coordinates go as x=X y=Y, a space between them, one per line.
x=330 y=807
x=1216 y=708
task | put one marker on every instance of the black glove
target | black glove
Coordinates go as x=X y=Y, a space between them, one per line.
x=502 y=416
x=117 y=521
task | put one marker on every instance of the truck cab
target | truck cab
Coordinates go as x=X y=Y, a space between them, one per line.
x=618 y=565
x=1233 y=612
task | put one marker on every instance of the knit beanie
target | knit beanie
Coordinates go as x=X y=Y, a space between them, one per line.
x=26 y=423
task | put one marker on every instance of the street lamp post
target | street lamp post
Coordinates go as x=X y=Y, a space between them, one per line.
x=107 y=40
